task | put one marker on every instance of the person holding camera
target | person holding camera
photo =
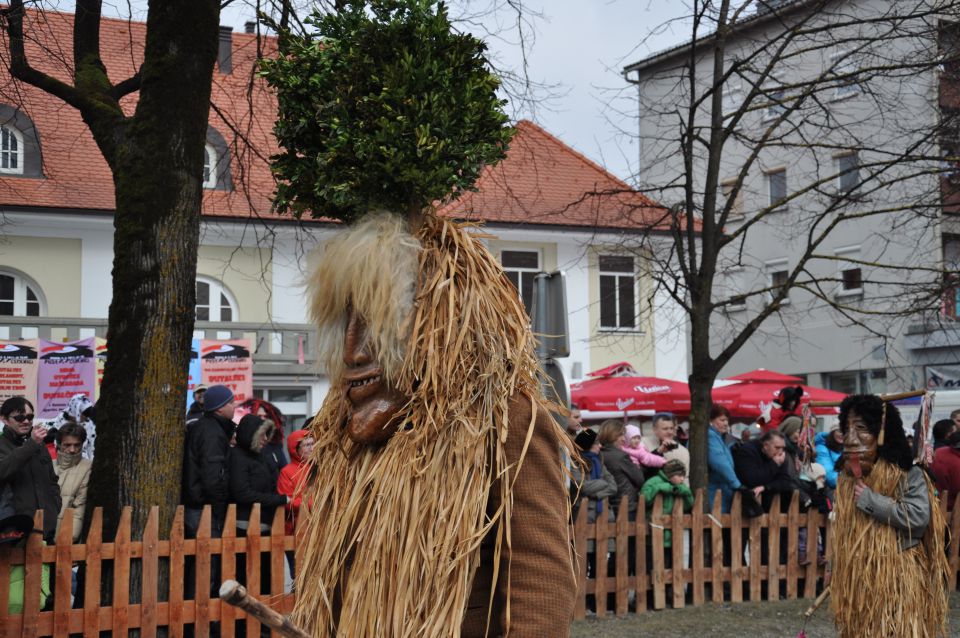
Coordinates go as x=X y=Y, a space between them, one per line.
x=27 y=480
x=663 y=441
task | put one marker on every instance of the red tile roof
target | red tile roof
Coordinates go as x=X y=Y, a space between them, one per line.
x=541 y=182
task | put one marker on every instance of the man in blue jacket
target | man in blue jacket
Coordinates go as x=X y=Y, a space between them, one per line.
x=719 y=459
x=829 y=448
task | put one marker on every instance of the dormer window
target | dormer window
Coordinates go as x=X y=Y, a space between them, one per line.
x=209 y=166
x=11 y=151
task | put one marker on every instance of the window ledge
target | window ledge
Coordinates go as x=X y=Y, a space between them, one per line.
x=620 y=331
x=849 y=294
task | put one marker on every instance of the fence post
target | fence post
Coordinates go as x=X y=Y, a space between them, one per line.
x=736 y=549
x=601 y=542
x=656 y=548
x=228 y=567
x=813 y=537
x=33 y=568
x=773 y=549
x=150 y=574
x=642 y=577
x=793 y=544
x=277 y=558
x=121 y=573
x=91 y=585
x=696 y=547
x=253 y=565
x=201 y=602
x=622 y=581
x=177 y=557
x=63 y=571
x=756 y=557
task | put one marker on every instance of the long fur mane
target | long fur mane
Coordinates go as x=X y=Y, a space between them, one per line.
x=392 y=540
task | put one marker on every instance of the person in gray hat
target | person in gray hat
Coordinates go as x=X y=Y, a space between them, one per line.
x=206 y=477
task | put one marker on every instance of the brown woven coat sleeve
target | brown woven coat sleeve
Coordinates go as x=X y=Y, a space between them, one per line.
x=542 y=586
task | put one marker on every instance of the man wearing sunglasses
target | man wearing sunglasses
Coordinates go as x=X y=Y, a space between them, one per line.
x=27 y=480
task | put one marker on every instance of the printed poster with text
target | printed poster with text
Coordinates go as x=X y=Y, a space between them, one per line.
x=18 y=369
x=228 y=363
x=193 y=378
x=101 y=364
x=65 y=369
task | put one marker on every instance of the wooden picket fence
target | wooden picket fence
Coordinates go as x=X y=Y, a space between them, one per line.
x=121 y=579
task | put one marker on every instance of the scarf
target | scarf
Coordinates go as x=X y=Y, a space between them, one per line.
x=66 y=461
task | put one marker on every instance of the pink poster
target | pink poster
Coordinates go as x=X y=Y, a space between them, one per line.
x=228 y=363
x=18 y=369
x=65 y=369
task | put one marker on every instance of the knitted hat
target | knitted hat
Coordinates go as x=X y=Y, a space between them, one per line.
x=790 y=425
x=586 y=439
x=631 y=431
x=216 y=397
x=674 y=467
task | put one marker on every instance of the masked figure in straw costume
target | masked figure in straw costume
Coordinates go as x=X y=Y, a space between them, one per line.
x=889 y=566
x=438 y=501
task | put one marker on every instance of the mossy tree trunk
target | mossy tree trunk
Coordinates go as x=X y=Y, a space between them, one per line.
x=156 y=156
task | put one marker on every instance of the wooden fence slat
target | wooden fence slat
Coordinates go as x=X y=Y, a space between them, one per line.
x=579 y=543
x=121 y=573
x=228 y=567
x=621 y=579
x=600 y=535
x=150 y=571
x=33 y=567
x=640 y=578
x=63 y=573
x=676 y=546
x=177 y=558
x=773 y=549
x=813 y=539
x=696 y=548
x=277 y=558
x=92 y=570
x=657 y=572
x=253 y=566
x=793 y=555
x=6 y=559
x=756 y=558
x=736 y=549
x=201 y=617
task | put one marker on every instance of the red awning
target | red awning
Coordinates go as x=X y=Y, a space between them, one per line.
x=744 y=399
x=762 y=375
x=622 y=394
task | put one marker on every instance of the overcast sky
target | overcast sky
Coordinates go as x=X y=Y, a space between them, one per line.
x=580 y=47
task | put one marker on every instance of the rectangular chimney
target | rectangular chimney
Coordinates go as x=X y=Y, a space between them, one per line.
x=250 y=27
x=225 y=52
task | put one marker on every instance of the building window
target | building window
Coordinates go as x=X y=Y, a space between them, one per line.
x=849 y=275
x=845 y=69
x=732 y=98
x=857 y=381
x=209 y=166
x=737 y=288
x=777 y=187
x=775 y=94
x=214 y=302
x=618 y=306
x=293 y=403
x=777 y=277
x=20 y=297
x=848 y=172
x=521 y=266
x=11 y=151
x=951 y=270
x=726 y=191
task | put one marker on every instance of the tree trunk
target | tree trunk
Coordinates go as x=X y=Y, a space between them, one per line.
x=157 y=172
x=700 y=402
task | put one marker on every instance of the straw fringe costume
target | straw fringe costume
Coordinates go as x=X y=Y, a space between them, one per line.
x=457 y=525
x=889 y=568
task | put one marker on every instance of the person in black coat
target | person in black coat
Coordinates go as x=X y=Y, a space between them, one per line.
x=761 y=467
x=252 y=479
x=27 y=479
x=205 y=472
x=629 y=477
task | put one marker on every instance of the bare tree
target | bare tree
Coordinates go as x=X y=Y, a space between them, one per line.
x=155 y=155
x=778 y=130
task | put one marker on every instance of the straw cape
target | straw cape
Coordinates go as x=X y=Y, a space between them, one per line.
x=394 y=541
x=877 y=589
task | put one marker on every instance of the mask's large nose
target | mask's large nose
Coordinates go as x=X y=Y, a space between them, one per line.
x=356 y=353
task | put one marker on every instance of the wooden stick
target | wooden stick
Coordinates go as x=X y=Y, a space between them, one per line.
x=236 y=594
x=819 y=601
x=885 y=397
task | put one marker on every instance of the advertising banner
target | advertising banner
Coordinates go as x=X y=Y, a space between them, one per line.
x=65 y=369
x=228 y=363
x=101 y=363
x=18 y=369
x=945 y=377
x=193 y=374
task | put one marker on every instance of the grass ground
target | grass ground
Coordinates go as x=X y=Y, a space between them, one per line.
x=780 y=619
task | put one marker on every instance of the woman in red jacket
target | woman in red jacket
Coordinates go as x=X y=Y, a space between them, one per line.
x=299 y=444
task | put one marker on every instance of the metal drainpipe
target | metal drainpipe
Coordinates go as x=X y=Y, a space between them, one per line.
x=636 y=83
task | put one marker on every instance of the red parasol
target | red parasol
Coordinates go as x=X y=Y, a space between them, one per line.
x=762 y=375
x=628 y=393
x=744 y=399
